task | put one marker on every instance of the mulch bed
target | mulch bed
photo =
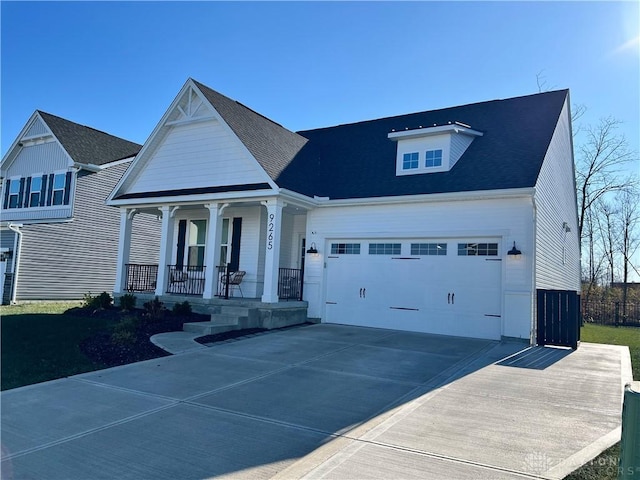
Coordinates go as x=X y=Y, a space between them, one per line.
x=105 y=350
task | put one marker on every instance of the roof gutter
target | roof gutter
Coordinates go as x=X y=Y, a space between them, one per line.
x=430 y=197
x=16 y=262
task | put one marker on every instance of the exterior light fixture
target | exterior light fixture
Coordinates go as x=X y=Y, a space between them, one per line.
x=312 y=249
x=514 y=252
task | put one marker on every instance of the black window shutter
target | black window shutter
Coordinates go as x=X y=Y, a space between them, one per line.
x=50 y=192
x=43 y=191
x=235 y=244
x=182 y=234
x=21 y=194
x=6 y=194
x=27 y=192
x=67 y=188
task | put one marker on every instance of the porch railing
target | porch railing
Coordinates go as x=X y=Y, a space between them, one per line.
x=186 y=279
x=290 y=283
x=141 y=278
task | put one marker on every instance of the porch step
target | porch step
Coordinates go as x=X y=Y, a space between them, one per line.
x=229 y=318
x=208 y=328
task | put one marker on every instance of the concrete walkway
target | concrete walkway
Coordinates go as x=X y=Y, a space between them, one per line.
x=177 y=342
x=324 y=401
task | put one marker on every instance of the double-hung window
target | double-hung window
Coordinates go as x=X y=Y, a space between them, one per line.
x=59 y=180
x=197 y=242
x=35 y=191
x=14 y=193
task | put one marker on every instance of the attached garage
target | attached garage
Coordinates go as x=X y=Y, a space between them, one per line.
x=443 y=286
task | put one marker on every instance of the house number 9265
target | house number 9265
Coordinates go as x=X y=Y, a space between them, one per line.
x=270 y=228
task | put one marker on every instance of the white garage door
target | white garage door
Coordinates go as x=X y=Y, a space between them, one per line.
x=449 y=287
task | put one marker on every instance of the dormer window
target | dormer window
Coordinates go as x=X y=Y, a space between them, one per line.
x=410 y=160
x=433 y=158
x=432 y=149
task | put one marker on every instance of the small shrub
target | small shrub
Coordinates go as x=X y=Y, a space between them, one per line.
x=128 y=323
x=102 y=301
x=183 y=308
x=154 y=309
x=128 y=301
x=123 y=337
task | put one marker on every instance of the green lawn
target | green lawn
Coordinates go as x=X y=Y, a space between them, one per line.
x=40 y=343
x=604 y=467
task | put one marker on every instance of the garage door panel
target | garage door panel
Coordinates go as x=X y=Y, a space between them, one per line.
x=444 y=294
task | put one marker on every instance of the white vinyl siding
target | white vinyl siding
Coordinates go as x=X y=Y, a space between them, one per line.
x=45 y=157
x=507 y=219
x=557 y=251
x=37 y=128
x=201 y=154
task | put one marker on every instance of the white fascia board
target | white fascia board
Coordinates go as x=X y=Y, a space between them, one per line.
x=433 y=197
x=92 y=167
x=24 y=223
x=191 y=199
x=298 y=199
x=439 y=130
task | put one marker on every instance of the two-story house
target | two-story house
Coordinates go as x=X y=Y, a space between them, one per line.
x=58 y=239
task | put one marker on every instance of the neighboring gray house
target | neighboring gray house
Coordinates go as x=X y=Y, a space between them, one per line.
x=459 y=221
x=58 y=239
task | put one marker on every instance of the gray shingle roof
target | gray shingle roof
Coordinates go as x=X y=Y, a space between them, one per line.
x=88 y=145
x=272 y=145
x=358 y=160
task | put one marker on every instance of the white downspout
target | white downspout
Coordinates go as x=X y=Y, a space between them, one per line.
x=16 y=259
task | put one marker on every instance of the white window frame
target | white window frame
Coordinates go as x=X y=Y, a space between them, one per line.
x=37 y=176
x=62 y=173
x=190 y=243
x=14 y=181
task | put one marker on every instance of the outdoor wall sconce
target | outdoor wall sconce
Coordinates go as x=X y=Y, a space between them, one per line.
x=312 y=249
x=514 y=252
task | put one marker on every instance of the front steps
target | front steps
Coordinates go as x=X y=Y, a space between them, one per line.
x=231 y=317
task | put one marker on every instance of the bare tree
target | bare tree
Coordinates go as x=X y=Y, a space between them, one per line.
x=599 y=165
x=629 y=215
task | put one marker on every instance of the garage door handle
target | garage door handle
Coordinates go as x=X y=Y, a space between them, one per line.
x=364 y=293
x=448 y=298
x=453 y=298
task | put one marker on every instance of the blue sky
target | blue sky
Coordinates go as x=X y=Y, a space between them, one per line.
x=116 y=66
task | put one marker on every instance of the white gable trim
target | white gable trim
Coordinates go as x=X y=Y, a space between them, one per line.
x=160 y=131
x=18 y=143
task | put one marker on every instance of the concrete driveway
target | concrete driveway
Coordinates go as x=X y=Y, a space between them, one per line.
x=324 y=401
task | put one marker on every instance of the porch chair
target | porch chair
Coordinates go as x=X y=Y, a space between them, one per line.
x=235 y=279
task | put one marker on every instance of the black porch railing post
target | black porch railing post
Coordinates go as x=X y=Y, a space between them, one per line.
x=301 y=280
x=226 y=283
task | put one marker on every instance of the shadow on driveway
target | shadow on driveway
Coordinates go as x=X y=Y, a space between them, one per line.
x=260 y=407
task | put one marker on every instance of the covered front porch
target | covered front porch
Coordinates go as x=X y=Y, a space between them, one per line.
x=252 y=249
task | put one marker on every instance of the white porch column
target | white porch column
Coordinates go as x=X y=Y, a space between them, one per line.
x=272 y=257
x=124 y=248
x=212 y=250
x=166 y=249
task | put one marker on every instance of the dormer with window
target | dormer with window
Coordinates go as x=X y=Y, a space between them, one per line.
x=431 y=149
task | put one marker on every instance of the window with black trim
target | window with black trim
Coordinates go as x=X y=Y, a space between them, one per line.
x=477 y=249
x=384 y=249
x=14 y=192
x=345 y=248
x=428 y=249
x=58 y=188
x=35 y=192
